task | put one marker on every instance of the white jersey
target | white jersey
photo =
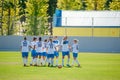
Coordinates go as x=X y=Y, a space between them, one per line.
x=25 y=46
x=50 y=47
x=56 y=43
x=39 y=46
x=65 y=45
x=44 y=47
x=75 y=48
x=33 y=44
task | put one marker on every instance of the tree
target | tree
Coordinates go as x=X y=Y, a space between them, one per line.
x=1 y=16
x=95 y=4
x=37 y=13
x=107 y=4
x=51 y=10
x=8 y=6
x=52 y=7
x=115 y=5
x=22 y=6
x=69 y=4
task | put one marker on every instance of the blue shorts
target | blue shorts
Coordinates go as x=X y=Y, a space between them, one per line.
x=44 y=54
x=24 y=54
x=33 y=53
x=65 y=53
x=75 y=55
x=56 y=53
x=50 y=56
x=39 y=54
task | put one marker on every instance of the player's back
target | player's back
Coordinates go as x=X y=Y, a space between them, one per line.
x=51 y=47
x=25 y=46
x=75 y=48
x=39 y=46
x=65 y=45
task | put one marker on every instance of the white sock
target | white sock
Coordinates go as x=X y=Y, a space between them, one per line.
x=41 y=60
x=68 y=60
x=62 y=62
x=77 y=62
x=73 y=62
x=52 y=61
x=56 y=61
x=46 y=60
x=23 y=60
x=26 y=60
x=38 y=61
x=32 y=61
x=35 y=60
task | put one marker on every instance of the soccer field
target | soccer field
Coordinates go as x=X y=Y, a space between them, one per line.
x=95 y=66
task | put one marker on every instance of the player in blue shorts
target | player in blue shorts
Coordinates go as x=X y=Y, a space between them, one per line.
x=75 y=50
x=50 y=52
x=44 y=52
x=39 y=51
x=65 y=50
x=25 y=44
x=57 y=46
x=33 y=52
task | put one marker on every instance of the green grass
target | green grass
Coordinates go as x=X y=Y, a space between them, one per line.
x=95 y=66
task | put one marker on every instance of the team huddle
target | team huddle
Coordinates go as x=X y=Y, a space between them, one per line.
x=44 y=51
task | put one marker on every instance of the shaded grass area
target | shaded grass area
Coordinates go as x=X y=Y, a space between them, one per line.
x=95 y=66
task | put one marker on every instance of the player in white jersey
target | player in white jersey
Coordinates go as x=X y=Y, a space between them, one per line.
x=75 y=50
x=33 y=52
x=50 y=52
x=44 y=52
x=25 y=44
x=39 y=50
x=56 y=51
x=65 y=50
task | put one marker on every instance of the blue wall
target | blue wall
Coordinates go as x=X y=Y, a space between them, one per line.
x=86 y=44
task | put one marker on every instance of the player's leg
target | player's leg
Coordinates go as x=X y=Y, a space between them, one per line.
x=48 y=58
x=56 y=60
x=63 y=56
x=52 y=60
x=26 y=58
x=73 y=59
x=43 y=58
x=35 y=59
x=32 y=60
x=68 y=54
x=23 y=57
x=76 y=55
x=38 y=60
x=56 y=55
